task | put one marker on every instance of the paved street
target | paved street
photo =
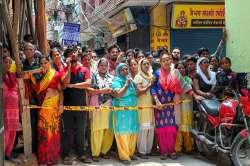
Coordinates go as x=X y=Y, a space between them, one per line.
x=184 y=160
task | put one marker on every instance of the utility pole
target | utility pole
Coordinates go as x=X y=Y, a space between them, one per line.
x=1 y=94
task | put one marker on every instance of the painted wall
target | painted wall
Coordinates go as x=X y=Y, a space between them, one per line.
x=238 y=29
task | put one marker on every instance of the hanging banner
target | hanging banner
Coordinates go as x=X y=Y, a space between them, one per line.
x=159 y=37
x=188 y=16
x=71 y=34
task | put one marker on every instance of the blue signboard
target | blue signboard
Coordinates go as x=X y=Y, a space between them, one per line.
x=71 y=34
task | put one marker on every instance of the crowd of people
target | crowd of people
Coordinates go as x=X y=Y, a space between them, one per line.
x=79 y=77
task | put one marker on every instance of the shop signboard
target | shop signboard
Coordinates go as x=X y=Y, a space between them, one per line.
x=189 y=16
x=159 y=37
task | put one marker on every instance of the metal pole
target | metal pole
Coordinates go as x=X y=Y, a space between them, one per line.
x=1 y=94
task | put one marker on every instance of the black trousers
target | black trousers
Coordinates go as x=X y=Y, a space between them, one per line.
x=73 y=120
x=33 y=120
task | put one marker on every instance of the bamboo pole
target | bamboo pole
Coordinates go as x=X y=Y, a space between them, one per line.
x=41 y=26
x=1 y=94
x=16 y=20
x=25 y=111
x=29 y=16
x=22 y=21
x=12 y=37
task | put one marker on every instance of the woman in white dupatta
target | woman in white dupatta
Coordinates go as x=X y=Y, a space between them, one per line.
x=204 y=79
x=144 y=79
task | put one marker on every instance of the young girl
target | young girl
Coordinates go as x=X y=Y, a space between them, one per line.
x=226 y=78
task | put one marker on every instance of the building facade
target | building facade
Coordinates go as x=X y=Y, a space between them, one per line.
x=151 y=25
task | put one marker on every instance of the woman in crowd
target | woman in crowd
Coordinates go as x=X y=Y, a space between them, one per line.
x=133 y=67
x=204 y=79
x=139 y=55
x=144 y=80
x=169 y=82
x=10 y=107
x=124 y=123
x=184 y=135
x=48 y=88
x=226 y=79
x=57 y=62
x=100 y=95
x=214 y=64
x=130 y=54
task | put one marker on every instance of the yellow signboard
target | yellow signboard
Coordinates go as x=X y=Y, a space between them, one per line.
x=186 y=16
x=159 y=37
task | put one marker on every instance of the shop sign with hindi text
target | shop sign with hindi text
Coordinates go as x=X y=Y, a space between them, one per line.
x=159 y=37
x=189 y=16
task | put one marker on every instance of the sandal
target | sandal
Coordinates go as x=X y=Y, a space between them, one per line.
x=133 y=158
x=174 y=156
x=125 y=162
x=84 y=159
x=143 y=156
x=95 y=159
x=67 y=161
x=105 y=156
x=164 y=157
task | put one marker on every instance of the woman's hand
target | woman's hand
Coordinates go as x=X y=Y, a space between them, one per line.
x=60 y=109
x=209 y=95
x=199 y=98
x=127 y=82
x=70 y=86
x=25 y=75
x=106 y=90
x=152 y=81
x=159 y=105
x=68 y=62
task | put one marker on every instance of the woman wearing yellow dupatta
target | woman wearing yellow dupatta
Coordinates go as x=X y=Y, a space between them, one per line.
x=49 y=95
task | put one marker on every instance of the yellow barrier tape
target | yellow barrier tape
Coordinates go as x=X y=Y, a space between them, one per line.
x=106 y=108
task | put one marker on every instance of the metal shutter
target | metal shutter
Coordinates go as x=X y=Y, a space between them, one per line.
x=190 y=40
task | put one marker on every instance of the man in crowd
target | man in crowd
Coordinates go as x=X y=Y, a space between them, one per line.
x=31 y=63
x=113 y=52
x=75 y=119
x=176 y=53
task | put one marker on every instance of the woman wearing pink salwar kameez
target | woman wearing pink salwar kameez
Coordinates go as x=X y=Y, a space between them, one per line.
x=10 y=106
x=169 y=83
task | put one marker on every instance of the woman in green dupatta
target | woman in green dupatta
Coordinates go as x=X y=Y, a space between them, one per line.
x=124 y=123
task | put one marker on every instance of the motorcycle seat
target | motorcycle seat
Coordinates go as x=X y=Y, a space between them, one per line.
x=211 y=106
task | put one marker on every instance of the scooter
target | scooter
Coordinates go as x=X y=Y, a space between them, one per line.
x=224 y=127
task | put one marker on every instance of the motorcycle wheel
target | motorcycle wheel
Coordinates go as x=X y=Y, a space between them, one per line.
x=241 y=152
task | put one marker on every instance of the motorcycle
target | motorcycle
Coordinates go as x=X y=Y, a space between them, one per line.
x=224 y=127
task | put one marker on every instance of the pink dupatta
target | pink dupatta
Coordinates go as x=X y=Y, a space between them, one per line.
x=170 y=81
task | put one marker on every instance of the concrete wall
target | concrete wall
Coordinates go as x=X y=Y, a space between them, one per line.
x=238 y=26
